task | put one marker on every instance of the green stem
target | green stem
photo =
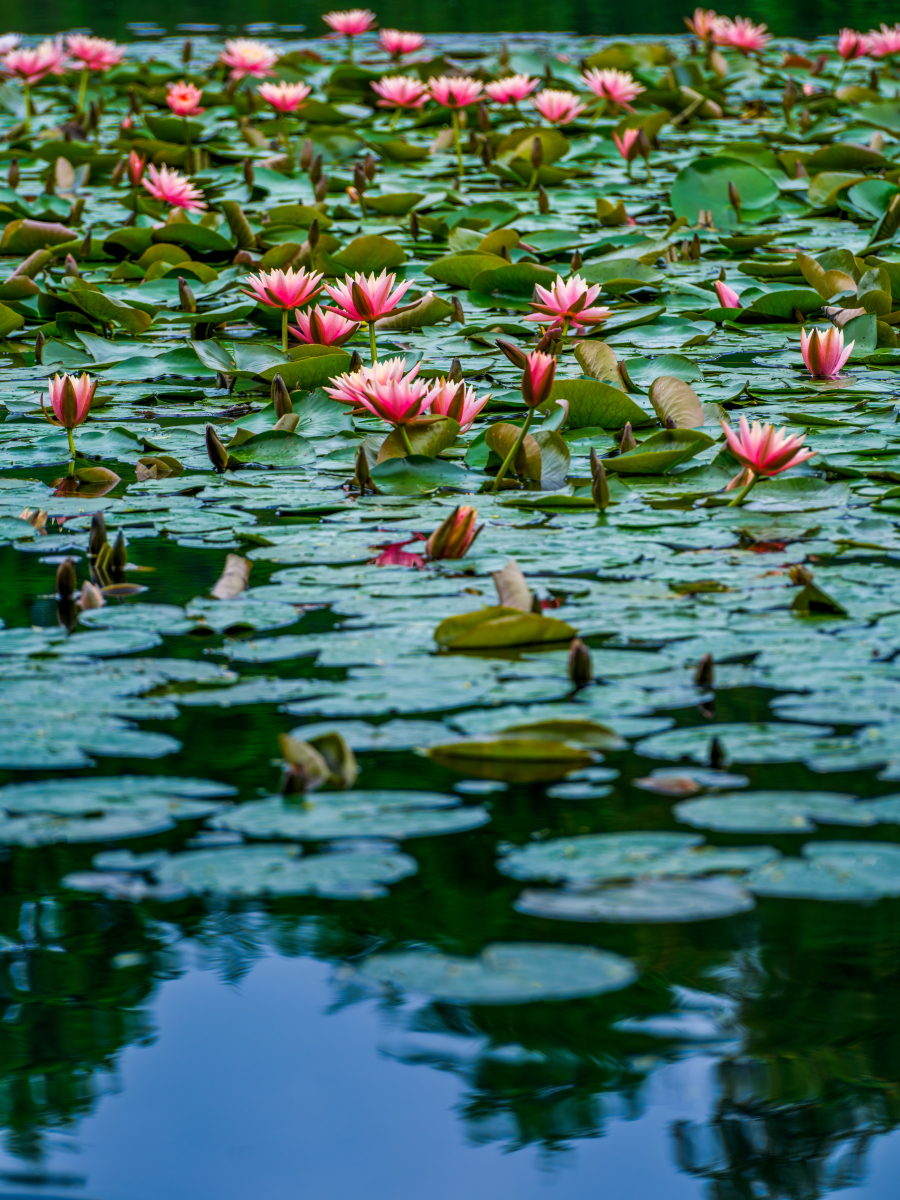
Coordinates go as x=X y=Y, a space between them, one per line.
x=647 y=165
x=372 y=346
x=513 y=452
x=284 y=331
x=27 y=93
x=455 y=115
x=82 y=92
x=71 y=451
x=532 y=181
x=349 y=48
x=395 y=118
x=744 y=492
x=405 y=437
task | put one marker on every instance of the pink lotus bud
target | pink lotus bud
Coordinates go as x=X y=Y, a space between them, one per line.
x=70 y=399
x=824 y=353
x=455 y=534
x=537 y=378
x=728 y=298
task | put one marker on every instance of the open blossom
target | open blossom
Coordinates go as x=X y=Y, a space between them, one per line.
x=70 y=399
x=8 y=42
x=455 y=91
x=852 y=44
x=135 y=167
x=349 y=388
x=32 y=63
x=703 y=23
x=323 y=327
x=366 y=298
x=741 y=34
x=512 y=89
x=626 y=144
x=455 y=534
x=351 y=22
x=385 y=391
x=184 y=99
x=284 y=289
x=170 y=186
x=457 y=401
x=93 y=53
x=765 y=450
x=824 y=353
x=557 y=106
x=284 y=97
x=568 y=302
x=398 y=43
x=884 y=42
x=246 y=57
x=728 y=297
x=618 y=86
x=538 y=377
x=400 y=91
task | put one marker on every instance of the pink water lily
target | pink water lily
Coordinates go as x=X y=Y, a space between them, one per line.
x=558 y=107
x=71 y=397
x=93 y=53
x=568 y=302
x=455 y=91
x=619 y=87
x=350 y=388
x=456 y=400
x=351 y=22
x=284 y=97
x=513 y=89
x=626 y=144
x=538 y=378
x=171 y=187
x=741 y=34
x=884 y=42
x=455 y=534
x=366 y=297
x=824 y=353
x=284 y=289
x=184 y=99
x=397 y=43
x=323 y=327
x=244 y=56
x=134 y=167
x=32 y=63
x=8 y=42
x=387 y=393
x=400 y=91
x=852 y=44
x=703 y=23
x=763 y=451
x=728 y=298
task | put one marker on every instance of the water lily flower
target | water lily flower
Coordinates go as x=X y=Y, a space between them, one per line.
x=557 y=106
x=8 y=42
x=285 y=290
x=393 y=554
x=455 y=91
x=400 y=91
x=537 y=384
x=703 y=23
x=32 y=63
x=626 y=144
x=455 y=534
x=323 y=327
x=398 y=43
x=741 y=34
x=455 y=400
x=70 y=398
x=351 y=22
x=367 y=298
x=284 y=97
x=93 y=53
x=349 y=388
x=134 y=167
x=852 y=44
x=395 y=397
x=170 y=186
x=884 y=42
x=512 y=89
x=764 y=451
x=184 y=99
x=245 y=57
x=567 y=302
x=824 y=353
x=619 y=87
x=728 y=297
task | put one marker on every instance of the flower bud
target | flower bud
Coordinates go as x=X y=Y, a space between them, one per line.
x=321 y=189
x=91 y=597
x=517 y=357
x=186 y=297
x=98 y=534
x=134 y=103
x=86 y=245
x=599 y=482
x=218 y=455
x=315 y=170
x=579 y=663
x=39 y=343
x=537 y=378
x=281 y=397
x=543 y=202
x=248 y=172
x=66 y=579
x=361 y=472
x=629 y=441
x=77 y=211
x=705 y=673
x=313 y=236
x=537 y=153
x=306 y=155
x=370 y=167
x=12 y=175
x=642 y=142
x=356 y=363
x=186 y=51
x=455 y=375
x=734 y=198
x=455 y=534
x=487 y=154
x=484 y=117
x=414 y=226
x=118 y=172
x=221 y=381
x=458 y=315
x=360 y=182
x=576 y=263
x=119 y=557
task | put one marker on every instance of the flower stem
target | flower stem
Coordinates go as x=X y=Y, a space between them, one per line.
x=459 y=158
x=284 y=331
x=744 y=492
x=405 y=438
x=26 y=91
x=395 y=118
x=349 y=48
x=71 y=451
x=513 y=452
x=82 y=92
x=372 y=346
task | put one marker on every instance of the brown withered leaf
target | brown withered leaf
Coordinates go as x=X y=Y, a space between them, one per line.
x=234 y=578
x=512 y=588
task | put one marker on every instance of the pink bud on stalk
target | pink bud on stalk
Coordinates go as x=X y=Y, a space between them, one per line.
x=70 y=399
x=824 y=353
x=537 y=384
x=728 y=297
x=455 y=534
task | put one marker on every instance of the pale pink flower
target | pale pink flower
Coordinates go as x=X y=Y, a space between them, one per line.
x=741 y=34
x=246 y=57
x=323 y=327
x=538 y=377
x=703 y=23
x=884 y=42
x=455 y=91
x=285 y=97
x=568 y=302
x=852 y=44
x=400 y=91
x=184 y=99
x=284 y=289
x=445 y=392
x=556 y=106
x=398 y=43
x=32 y=63
x=626 y=143
x=8 y=42
x=93 y=53
x=728 y=297
x=170 y=186
x=765 y=450
x=135 y=167
x=70 y=399
x=393 y=396
x=366 y=298
x=511 y=90
x=824 y=353
x=351 y=22
x=348 y=389
x=620 y=87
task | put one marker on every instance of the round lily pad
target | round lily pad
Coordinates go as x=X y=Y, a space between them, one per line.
x=658 y=901
x=849 y=871
x=774 y=812
x=755 y=742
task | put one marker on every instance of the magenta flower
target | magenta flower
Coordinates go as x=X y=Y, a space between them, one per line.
x=852 y=44
x=741 y=34
x=366 y=297
x=349 y=389
x=538 y=378
x=557 y=107
x=397 y=43
x=350 y=22
x=512 y=90
x=323 y=327
x=884 y=42
x=568 y=302
x=626 y=144
x=135 y=167
x=765 y=450
x=468 y=403
x=824 y=353
x=455 y=91
x=246 y=57
x=386 y=392
x=703 y=23
x=184 y=99
x=618 y=87
x=93 y=53
x=32 y=63
x=70 y=398
x=284 y=97
x=400 y=91
x=171 y=187
x=728 y=298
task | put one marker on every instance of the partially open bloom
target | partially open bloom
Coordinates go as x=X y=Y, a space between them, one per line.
x=512 y=89
x=323 y=327
x=246 y=57
x=884 y=42
x=400 y=91
x=558 y=107
x=284 y=97
x=134 y=168
x=184 y=99
x=852 y=44
x=366 y=297
x=728 y=297
x=626 y=144
x=170 y=186
x=765 y=450
x=824 y=353
x=284 y=289
x=619 y=87
x=385 y=391
x=455 y=400
x=741 y=34
x=32 y=63
x=398 y=43
x=349 y=388
x=8 y=42
x=538 y=377
x=455 y=534
x=455 y=91
x=70 y=399
x=568 y=302
x=93 y=53
x=703 y=23
x=351 y=22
